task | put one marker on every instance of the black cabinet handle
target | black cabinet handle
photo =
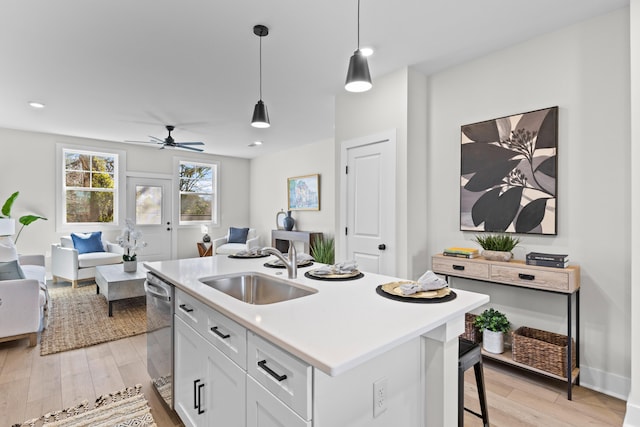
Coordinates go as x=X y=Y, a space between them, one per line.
x=263 y=365
x=458 y=267
x=186 y=308
x=200 y=410
x=526 y=276
x=220 y=334
x=195 y=394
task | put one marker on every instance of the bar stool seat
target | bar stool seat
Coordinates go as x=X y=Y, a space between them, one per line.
x=469 y=354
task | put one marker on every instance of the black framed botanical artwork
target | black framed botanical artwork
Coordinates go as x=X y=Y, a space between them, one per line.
x=508 y=174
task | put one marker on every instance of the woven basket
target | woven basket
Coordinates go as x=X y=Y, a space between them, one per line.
x=471 y=332
x=543 y=350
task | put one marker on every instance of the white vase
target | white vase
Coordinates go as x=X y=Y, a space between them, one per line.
x=492 y=341
x=130 y=266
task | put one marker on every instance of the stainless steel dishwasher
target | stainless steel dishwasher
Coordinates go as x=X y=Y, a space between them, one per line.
x=160 y=295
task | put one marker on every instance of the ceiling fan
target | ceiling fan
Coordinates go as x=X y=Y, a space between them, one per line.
x=170 y=142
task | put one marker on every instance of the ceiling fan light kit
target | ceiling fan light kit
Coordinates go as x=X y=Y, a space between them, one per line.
x=260 y=117
x=358 y=77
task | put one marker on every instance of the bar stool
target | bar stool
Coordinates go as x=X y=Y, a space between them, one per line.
x=469 y=355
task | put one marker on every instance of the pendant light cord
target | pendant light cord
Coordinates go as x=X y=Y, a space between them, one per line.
x=261 y=67
x=358 y=25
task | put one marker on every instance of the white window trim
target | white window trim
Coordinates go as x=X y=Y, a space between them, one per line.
x=215 y=222
x=119 y=196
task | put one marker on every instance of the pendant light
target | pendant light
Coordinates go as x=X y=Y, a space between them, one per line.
x=260 y=116
x=358 y=78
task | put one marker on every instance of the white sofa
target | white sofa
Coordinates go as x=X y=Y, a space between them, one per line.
x=24 y=302
x=68 y=265
x=222 y=245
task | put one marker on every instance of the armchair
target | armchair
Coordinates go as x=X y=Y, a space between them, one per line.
x=24 y=302
x=223 y=246
x=70 y=265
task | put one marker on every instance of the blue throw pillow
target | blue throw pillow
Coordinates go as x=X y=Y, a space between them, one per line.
x=11 y=271
x=86 y=243
x=238 y=235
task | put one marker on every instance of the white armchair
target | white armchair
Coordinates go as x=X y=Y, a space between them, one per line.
x=222 y=245
x=24 y=302
x=67 y=264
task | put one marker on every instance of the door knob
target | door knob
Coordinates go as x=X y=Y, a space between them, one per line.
x=382 y=246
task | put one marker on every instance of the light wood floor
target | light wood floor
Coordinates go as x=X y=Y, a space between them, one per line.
x=31 y=385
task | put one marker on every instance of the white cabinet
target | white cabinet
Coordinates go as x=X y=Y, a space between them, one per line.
x=210 y=389
x=265 y=410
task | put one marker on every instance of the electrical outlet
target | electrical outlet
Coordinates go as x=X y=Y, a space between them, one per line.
x=379 y=396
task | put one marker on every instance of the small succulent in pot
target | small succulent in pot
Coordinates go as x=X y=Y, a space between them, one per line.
x=497 y=247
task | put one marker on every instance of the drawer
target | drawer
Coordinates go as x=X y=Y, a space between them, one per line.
x=263 y=407
x=284 y=375
x=460 y=267
x=532 y=278
x=192 y=311
x=227 y=336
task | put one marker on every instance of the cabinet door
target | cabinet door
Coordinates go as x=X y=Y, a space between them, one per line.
x=225 y=390
x=265 y=410
x=190 y=375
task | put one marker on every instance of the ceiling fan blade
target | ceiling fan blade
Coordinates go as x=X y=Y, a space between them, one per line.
x=143 y=142
x=157 y=139
x=186 y=147
x=190 y=143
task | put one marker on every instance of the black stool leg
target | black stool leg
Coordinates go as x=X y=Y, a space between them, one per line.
x=460 y=395
x=477 y=368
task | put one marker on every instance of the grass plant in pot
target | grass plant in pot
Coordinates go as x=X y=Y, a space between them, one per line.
x=323 y=250
x=497 y=247
x=493 y=325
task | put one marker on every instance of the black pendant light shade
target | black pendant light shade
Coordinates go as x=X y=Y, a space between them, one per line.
x=358 y=77
x=260 y=117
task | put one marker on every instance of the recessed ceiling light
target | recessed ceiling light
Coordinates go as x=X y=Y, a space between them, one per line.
x=366 y=51
x=255 y=143
x=35 y=104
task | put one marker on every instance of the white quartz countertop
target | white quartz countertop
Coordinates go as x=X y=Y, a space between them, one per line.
x=341 y=326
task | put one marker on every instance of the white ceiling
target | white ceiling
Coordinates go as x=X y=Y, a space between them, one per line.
x=120 y=70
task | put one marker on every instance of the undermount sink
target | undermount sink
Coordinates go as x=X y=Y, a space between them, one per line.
x=257 y=288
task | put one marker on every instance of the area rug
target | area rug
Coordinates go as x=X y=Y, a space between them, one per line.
x=79 y=318
x=123 y=408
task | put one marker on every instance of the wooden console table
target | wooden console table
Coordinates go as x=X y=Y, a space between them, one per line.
x=563 y=281
x=280 y=239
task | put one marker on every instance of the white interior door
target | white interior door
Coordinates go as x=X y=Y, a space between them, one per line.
x=149 y=205
x=369 y=203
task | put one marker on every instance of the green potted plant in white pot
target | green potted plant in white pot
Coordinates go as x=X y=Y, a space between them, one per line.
x=497 y=247
x=493 y=325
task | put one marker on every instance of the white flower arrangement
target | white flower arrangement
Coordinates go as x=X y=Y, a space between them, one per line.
x=130 y=240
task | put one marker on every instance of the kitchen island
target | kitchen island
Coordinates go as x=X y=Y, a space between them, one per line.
x=373 y=361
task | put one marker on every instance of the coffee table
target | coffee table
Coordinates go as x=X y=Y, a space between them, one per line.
x=116 y=284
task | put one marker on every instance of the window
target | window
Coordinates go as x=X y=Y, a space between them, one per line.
x=198 y=196
x=89 y=187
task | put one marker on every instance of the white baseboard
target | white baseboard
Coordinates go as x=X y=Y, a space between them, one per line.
x=605 y=382
x=632 y=417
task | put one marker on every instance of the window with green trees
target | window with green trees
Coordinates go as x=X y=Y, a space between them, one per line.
x=198 y=182
x=90 y=187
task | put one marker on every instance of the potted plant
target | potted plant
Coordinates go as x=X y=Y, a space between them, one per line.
x=497 y=247
x=23 y=220
x=323 y=250
x=130 y=240
x=493 y=325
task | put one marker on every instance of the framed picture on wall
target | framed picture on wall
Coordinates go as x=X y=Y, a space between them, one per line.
x=303 y=193
x=508 y=174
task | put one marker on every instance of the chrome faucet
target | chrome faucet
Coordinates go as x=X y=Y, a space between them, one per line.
x=291 y=263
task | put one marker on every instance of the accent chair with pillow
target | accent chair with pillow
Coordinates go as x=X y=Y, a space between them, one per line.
x=76 y=257
x=24 y=297
x=236 y=240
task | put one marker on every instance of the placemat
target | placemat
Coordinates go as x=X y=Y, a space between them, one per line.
x=334 y=279
x=305 y=264
x=248 y=256
x=449 y=297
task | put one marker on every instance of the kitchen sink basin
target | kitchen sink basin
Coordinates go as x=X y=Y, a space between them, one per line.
x=257 y=288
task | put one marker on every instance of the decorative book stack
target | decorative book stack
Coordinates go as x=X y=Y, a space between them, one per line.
x=548 y=260
x=461 y=252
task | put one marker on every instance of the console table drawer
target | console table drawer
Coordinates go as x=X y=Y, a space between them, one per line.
x=460 y=267
x=530 y=278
